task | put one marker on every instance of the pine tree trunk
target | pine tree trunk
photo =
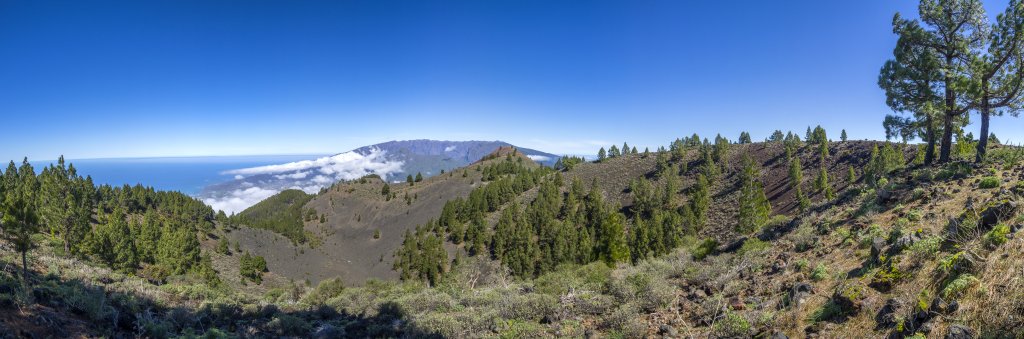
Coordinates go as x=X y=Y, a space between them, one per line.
x=67 y=245
x=947 y=118
x=983 y=140
x=929 y=155
x=24 y=267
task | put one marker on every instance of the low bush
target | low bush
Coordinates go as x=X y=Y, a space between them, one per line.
x=753 y=246
x=704 y=249
x=324 y=291
x=957 y=287
x=997 y=236
x=732 y=325
x=989 y=183
x=820 y=272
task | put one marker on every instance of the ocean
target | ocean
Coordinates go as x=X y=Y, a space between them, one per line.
x=188 y=175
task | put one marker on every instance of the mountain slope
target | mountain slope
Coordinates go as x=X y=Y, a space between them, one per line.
x=344 y=244
x=930 y=251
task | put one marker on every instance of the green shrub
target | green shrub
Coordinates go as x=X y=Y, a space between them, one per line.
x=704 y=249
x=956 y=264
x=830 y=310
x=888 y=276
x=288 y=325
x=520 y=329
x=957 y=287
x=753 y=245
x=997 y=236
x=988 y=182
x=591 y=277
x=732 y=325
x=925 y=248
x=650 y=292
x=325 y=290
x=528 y=306
x=820 y=272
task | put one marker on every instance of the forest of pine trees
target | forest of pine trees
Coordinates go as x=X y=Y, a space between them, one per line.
x=132 y=229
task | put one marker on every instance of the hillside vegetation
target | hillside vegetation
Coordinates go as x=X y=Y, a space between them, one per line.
x=895 y=249
x=282 y=213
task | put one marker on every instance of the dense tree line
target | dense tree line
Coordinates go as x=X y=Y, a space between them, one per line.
x=129 y=228
x=281 y=213
x=573 y=223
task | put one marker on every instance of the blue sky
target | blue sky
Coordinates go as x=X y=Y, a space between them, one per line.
x=175 y=78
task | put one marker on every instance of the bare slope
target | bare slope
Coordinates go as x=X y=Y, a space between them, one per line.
x=344 y=245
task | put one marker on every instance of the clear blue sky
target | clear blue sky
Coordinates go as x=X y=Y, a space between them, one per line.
x=172 y=78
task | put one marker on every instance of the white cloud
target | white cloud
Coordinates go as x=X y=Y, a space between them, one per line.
x=449 y=148
x=239 y=199
x=539 y=158
x=308 y=175
x=351 y=164
x=296 y=175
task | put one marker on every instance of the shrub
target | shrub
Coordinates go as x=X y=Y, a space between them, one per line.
x=830 y=310
x=820 y=272
x=528 y=306
x=997 y=236
x=988 y=182
x=520 y=329
x=924 y=248
x=325 y=290
x=732 y=325
x=704 y=249
x=753 y=245
x=956 y=288
x=650 y=292
x=288 y=325
x=956 y=264
x=888 y=276
x=591 y=277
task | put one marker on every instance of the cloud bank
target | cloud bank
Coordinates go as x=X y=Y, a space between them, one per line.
x=253 y=184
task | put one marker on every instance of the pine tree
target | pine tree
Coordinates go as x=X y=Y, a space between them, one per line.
x=851 y=175
x=754 y=208
x=20 y=216
x=612 y=247
x=613 y=152
x=601 y=155
x=821 y=183
x=386 y=190
x=700 y=201
x=419 y=177
x=842 y=135
x=66 y=204
x=409 y=179
x=745 y=138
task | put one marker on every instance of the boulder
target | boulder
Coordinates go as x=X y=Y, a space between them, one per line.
x=888 y=316
x=877 y=249
x=905 y=241
x=668 y=331
x=997 y=212
x=959 y=332
x=799 y=293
